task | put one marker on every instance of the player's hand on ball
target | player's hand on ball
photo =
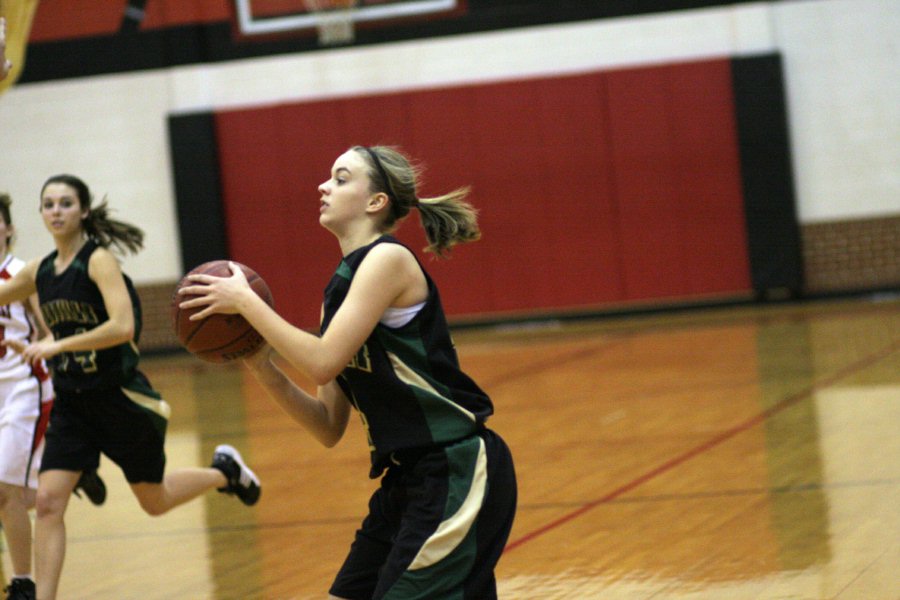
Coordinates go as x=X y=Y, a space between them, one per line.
x=223 y=295
x=205 y=310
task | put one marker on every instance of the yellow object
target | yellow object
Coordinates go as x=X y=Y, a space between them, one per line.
x=19 y=15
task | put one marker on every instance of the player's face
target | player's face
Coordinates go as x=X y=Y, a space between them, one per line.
x=345 y=194
x=61 y=209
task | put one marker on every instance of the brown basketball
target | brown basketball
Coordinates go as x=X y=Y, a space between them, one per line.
x=218 y=338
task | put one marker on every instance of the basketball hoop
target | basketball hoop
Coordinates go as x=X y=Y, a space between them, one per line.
x=334 y=20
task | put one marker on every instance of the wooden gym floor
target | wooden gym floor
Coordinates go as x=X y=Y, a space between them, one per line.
x=724 y=454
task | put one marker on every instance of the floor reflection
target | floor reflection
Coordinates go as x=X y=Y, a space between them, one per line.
x=726 y=454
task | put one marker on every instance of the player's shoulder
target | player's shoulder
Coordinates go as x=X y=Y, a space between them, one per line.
x=391 y=247
x=390 y=254
x=102 y=261
x=102 y=254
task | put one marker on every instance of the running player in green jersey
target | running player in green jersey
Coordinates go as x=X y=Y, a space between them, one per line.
x=440 y=519
x=104 y=404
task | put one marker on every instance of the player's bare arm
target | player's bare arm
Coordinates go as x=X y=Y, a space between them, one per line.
x=384 y=277
x=104 y=270
x=34 y=309
x=389 y=275
x=324 y=416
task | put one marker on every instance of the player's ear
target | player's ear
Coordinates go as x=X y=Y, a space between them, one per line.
x=377 y=202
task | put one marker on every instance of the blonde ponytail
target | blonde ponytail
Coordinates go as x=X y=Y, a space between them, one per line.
x=447 y=220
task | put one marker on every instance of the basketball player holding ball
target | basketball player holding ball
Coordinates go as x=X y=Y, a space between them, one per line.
x=440 y=519
x=104 y=404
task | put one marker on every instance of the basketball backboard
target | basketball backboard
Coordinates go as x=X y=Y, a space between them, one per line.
x=336 y=17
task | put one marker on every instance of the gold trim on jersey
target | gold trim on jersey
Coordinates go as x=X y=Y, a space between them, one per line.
x=410 y=377
x=451 y=532
x=154 y=405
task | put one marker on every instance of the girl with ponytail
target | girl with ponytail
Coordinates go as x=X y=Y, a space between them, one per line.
x=384 y=349
x=103 y=404
x=97 y=224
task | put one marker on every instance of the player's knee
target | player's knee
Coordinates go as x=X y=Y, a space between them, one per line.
x=49 y=503
x=154 y=507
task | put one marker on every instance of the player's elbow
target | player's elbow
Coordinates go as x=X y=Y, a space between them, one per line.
x=331 y=434
x=330 y=439
x=125 y=332
x=322 y=377
x=323 y=373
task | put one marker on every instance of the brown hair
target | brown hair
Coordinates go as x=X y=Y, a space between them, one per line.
x=98 y=226
x=448 y=219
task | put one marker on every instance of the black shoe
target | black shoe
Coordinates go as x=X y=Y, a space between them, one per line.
x=92 y=486
x=242 y=482
x=20 y=589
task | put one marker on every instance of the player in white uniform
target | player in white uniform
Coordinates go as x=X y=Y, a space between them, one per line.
x=26 y=396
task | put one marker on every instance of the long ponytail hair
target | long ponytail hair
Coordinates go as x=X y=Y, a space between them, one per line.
x=448 y=219
x=98 y=226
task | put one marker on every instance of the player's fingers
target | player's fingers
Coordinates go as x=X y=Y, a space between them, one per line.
x=193 y=290
x=236 y=271
x=201 y=314
x=203 y=278
x=195 y=302
x=16 y=345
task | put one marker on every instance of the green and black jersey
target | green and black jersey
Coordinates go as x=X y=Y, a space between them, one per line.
x=71 y=303
x=406 y=382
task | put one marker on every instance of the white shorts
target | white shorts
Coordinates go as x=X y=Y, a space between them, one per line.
x=25 y=404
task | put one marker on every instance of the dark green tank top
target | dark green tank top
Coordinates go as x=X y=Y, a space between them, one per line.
x=406 y=382
x=71 y=303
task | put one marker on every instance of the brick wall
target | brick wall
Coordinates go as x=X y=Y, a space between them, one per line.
x=839 y=256
x=157 y=333
x=855 y=255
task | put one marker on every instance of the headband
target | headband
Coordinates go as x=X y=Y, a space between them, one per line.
x=382 y=172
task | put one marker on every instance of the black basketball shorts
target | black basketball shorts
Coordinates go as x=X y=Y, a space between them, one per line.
x=127 y=424
x=436 y=526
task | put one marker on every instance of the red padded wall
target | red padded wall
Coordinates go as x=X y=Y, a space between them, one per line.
x=649 y=216
x=678 y=181
x=66 y=19
x=707 y=169
x=593 y=189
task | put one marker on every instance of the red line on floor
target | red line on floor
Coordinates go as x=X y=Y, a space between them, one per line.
x=708 y=445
